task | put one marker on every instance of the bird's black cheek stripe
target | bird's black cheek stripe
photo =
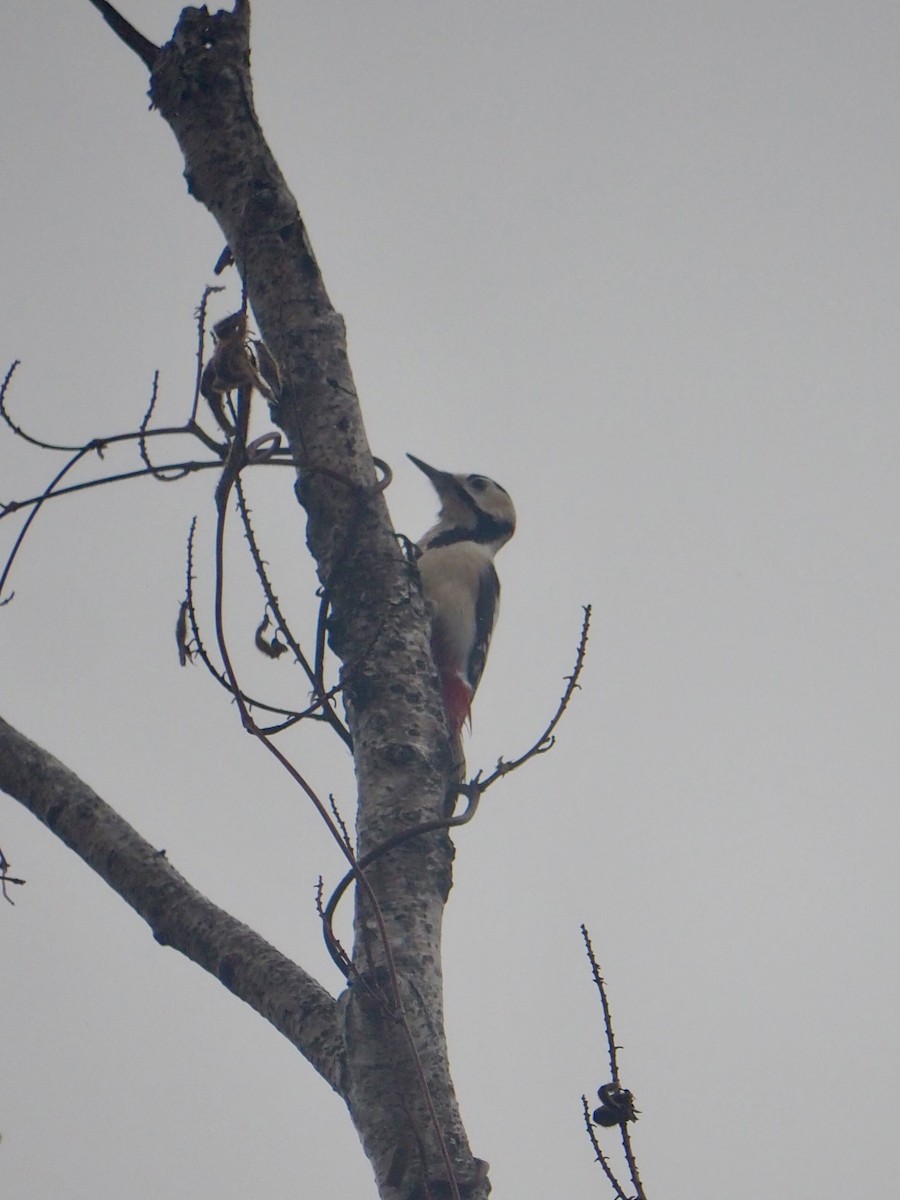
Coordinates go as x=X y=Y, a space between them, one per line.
x=449 y=537
x=489 y=529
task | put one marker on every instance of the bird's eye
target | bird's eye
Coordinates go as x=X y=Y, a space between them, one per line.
x=477 y=483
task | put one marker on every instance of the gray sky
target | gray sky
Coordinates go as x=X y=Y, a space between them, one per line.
x=638 y=262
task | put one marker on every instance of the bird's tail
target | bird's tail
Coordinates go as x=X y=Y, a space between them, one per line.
x=457 y=703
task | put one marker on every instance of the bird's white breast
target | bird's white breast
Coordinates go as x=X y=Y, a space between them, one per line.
x=450 y=578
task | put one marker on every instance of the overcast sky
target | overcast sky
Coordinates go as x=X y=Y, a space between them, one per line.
x=639 y=263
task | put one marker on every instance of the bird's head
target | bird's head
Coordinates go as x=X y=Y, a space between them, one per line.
x=473 y=508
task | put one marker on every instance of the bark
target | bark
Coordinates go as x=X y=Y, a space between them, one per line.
x=401 y=1101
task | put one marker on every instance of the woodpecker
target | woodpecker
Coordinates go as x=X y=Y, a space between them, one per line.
x=456 y=565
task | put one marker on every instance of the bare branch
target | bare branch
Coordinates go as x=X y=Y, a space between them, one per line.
x=546 y=741
x=601 y=1157
x=604 y=1001
x=17 y=429
x=632 y=1162
x=186 y=468
x=194 y=645
x=156 y=472
x=143 y=47
x=321 y=698
x=624 y=1101
x=200 y=316
x=6 y=879
x=29 y=520
x=179 y=916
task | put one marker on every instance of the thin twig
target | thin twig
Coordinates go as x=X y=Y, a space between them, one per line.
x=339 y=820
x=546 y=741
x=17 y=429
x=613 y=1067
x=632 y=1162
x=6 y=879
x=313 y=713
x=604 y=1002
x=157 y=472
x=196 y=645
x=200 y=316
x=601 y=1157
x=186 y=468
x=133 y=39
x=29 y=520
x=320 y=698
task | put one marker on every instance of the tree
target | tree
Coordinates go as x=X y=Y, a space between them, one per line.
x=381 y=1044
x=654 y=243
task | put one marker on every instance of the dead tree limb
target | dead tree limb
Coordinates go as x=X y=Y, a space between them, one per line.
x=178 y=915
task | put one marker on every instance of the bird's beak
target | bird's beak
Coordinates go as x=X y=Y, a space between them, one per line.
x=441 y=480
